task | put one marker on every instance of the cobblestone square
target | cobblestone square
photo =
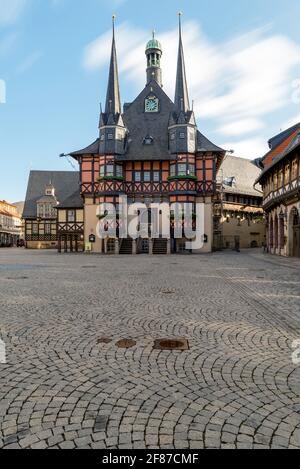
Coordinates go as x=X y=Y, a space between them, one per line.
x=67 y=384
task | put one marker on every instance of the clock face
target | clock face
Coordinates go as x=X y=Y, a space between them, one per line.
x=151 y=104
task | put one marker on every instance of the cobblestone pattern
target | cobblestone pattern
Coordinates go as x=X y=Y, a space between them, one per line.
x=63 y=388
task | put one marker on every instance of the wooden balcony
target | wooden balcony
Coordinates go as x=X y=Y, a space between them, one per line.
x=282 y=193
x=178 y=186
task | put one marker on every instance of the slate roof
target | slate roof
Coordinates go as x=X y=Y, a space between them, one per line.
x=73 y=201
x=206 y=145
x=141 y=124
x=279 y=145
x=182 y=102
x=92 y=149
x=293 y=144
x=245 y=173
x=65 y=183
x=278 y=139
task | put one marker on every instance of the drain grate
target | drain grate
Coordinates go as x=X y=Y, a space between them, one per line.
x=172 y=344
x=104 y=340
x=126 y=343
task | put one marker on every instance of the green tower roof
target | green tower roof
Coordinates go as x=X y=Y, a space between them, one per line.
x=153 y=43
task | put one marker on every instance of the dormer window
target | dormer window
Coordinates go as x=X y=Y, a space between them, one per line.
x=148 y=140
x=110 y=136
x=230 y=181
x=182 y=135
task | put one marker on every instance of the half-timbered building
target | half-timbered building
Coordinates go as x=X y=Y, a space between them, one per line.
x=149 y=150
x=46 y=191
x=70 y=224
x=280 y=180
x=239 y=216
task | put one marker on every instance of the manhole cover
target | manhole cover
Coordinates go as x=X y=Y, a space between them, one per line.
x=103 y=340
x=168 y=292
x=171 y=344
x=17 y=278
x=126 y=343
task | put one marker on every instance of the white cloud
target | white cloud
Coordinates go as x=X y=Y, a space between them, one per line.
x=10 y=10
x=7 y=43
x=235 y=85
x=250 y=148
x=29 y=62
x=241 y=127
x=293 y=121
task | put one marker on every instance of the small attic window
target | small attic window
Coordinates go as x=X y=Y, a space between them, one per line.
x=182 y=135
x=148 y=140
x=110 y=136
x=173 y=136
x=230 y=181
x=102 y=138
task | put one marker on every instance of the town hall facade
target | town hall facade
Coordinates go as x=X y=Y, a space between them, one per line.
x=150 y=151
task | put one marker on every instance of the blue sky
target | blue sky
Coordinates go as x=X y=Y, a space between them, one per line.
x=243 y=64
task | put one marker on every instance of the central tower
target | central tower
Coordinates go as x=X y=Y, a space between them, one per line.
x=154 y=53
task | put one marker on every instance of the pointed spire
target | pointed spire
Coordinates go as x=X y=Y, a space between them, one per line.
x=113 y=100
x=182 y=102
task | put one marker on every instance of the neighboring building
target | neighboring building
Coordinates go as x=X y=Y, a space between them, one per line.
x=239 y=217
x=10 y=224
x=280 y=180
x=45 y=192
x=20 y=209
x=70 y=227
x=150 y=151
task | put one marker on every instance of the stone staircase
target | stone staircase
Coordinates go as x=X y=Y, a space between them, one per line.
x=126 y=246
x=160 y=246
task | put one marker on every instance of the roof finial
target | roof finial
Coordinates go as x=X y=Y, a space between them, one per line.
x=153 y=33
x=113 y=23
x=180 y=13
